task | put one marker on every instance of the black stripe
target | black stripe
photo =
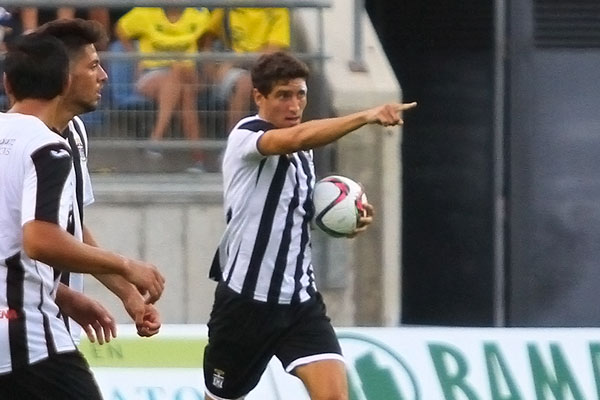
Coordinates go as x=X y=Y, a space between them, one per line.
x=65 y=278
x=264 y=228
x=305 y=237
x=17 y=330
x=52 y=173
x=233 y=265
x=257 y=125
x=50 y=345
x=260 y=169
x=77 y=167
x=216 y=273
x=284 y=245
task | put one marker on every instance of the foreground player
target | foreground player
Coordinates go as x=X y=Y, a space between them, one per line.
x=87 y=79
x=266 y=302
x=39 y=230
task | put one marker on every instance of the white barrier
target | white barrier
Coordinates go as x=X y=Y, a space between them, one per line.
x=383 y=364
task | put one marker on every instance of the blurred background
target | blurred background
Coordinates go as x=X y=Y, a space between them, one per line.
x=488 y=198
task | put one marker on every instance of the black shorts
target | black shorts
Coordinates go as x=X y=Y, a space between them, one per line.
x=64 y=376
x=243 y=336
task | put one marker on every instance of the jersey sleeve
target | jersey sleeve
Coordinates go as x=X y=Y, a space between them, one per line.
x=46 y=173
x=245 y=143
x=244 y=139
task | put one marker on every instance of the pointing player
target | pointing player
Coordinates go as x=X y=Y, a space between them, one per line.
x=266 y=302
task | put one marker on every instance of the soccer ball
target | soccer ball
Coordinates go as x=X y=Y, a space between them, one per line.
x=339 y=203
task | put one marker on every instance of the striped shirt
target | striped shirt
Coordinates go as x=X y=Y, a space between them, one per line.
x=37 y=181
x=265 y=252
x=76 y=135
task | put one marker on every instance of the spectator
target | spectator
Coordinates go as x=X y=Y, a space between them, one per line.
x=244 y=30
x=170 y=83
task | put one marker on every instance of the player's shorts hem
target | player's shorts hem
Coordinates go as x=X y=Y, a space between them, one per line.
x=311 y=359
x=215 y=397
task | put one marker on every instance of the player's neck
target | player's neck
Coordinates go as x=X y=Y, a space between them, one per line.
x=45 y=110
x=63 y=116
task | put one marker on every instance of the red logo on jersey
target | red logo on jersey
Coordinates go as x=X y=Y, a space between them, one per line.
x=8 y=314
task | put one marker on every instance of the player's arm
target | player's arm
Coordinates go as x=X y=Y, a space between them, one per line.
x=52 y=245
x=122 y=288
x=317 y=133
x=95 y=320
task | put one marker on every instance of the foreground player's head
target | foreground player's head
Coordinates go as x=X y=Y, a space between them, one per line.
x=36 y=67
x=79 y=37
x=279 y=81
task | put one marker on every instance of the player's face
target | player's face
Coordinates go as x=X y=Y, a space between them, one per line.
x=283 y=107
x=87 y=79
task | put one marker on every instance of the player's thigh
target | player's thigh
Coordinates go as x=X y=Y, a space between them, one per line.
x=324 y=380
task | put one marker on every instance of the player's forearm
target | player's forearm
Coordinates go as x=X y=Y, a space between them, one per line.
x=50 y=244
x=311 y=134
x=118 y=285
x=113 y=282
x=66 y=298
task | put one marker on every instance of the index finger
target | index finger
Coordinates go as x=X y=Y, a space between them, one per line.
x=405 y=106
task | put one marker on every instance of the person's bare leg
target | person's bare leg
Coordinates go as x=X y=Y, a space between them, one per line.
x=29 y=19
x=65 y=13
x=189 y=104
x=324 y=380
x=165 y=88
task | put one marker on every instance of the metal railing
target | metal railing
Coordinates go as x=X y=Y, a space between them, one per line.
x=129 y=122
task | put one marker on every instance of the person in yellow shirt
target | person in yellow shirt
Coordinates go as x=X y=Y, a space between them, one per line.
x=170 y=83
x=244 y=30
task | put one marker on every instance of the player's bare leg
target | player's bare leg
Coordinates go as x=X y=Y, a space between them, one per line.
x=324 y=380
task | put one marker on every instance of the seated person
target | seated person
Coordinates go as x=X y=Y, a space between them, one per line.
x=244 y=30
x=171 y=83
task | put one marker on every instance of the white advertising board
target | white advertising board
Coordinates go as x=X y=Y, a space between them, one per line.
x=383 y=364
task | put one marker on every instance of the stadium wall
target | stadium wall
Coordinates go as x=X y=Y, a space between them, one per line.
x=175 y=222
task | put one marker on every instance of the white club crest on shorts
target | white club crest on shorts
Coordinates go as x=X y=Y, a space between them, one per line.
x=218 y=378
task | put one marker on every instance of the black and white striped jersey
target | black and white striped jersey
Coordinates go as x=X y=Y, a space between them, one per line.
x=76 y=135
x=37 y=181
x=265 y=252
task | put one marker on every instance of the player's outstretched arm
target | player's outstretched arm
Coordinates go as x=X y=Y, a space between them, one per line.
x=95 y=320
x=50 y=244
x=320 y=132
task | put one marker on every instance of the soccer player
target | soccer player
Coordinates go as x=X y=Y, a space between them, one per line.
x=266 y=302
x=87 y=79
x=41 y=235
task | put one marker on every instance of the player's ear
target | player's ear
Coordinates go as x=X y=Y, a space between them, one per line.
x=67 y=84
x=7 y=87
x=257 y=96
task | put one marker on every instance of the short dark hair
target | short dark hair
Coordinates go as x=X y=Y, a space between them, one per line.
x=36 y=67
x=74 y=33
x=272 y=68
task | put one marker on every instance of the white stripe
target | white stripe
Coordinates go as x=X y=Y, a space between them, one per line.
x=311 y=359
